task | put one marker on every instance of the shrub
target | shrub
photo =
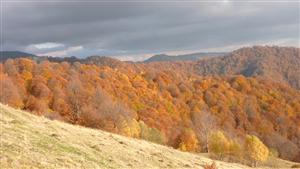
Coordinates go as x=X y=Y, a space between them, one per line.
x=210 y=166
x=256 y=151
x=295 y=166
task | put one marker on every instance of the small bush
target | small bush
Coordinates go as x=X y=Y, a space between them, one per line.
x=210 y=166
x=295 y=166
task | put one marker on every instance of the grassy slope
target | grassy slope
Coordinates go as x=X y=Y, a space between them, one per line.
x=29 y=141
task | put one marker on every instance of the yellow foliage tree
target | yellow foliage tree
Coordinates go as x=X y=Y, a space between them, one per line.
x=218 y=144
x=188 y=141
x=256 y=151
x=130 y=128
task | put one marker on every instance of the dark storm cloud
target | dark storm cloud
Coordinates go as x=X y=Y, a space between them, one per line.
x=132 y=27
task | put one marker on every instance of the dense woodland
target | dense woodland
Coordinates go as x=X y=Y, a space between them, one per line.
x=173 y=104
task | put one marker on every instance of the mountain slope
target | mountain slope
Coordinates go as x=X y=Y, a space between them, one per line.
x=186 y=57
x=279 y=64
x=29 y=141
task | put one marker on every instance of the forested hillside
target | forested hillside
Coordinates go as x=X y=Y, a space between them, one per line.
x=166 y=106
x=279 y=64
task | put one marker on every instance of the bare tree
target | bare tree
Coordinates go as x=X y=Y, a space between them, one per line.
x=105 y=113
x=205 y=124
x=76 y=95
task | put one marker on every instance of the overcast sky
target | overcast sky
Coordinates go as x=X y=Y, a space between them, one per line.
x=135 y=29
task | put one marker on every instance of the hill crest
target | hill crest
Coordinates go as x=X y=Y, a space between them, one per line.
x=185 y=57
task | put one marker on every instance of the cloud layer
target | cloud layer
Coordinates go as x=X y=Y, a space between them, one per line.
x=132 y=28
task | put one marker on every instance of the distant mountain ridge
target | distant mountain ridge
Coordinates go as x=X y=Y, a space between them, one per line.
x=95 y=59
x=14 y=54
x=185 y=57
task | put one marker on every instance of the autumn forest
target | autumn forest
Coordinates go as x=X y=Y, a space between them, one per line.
x=251 y=91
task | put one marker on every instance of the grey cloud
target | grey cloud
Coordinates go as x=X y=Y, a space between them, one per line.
x=120 y=28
